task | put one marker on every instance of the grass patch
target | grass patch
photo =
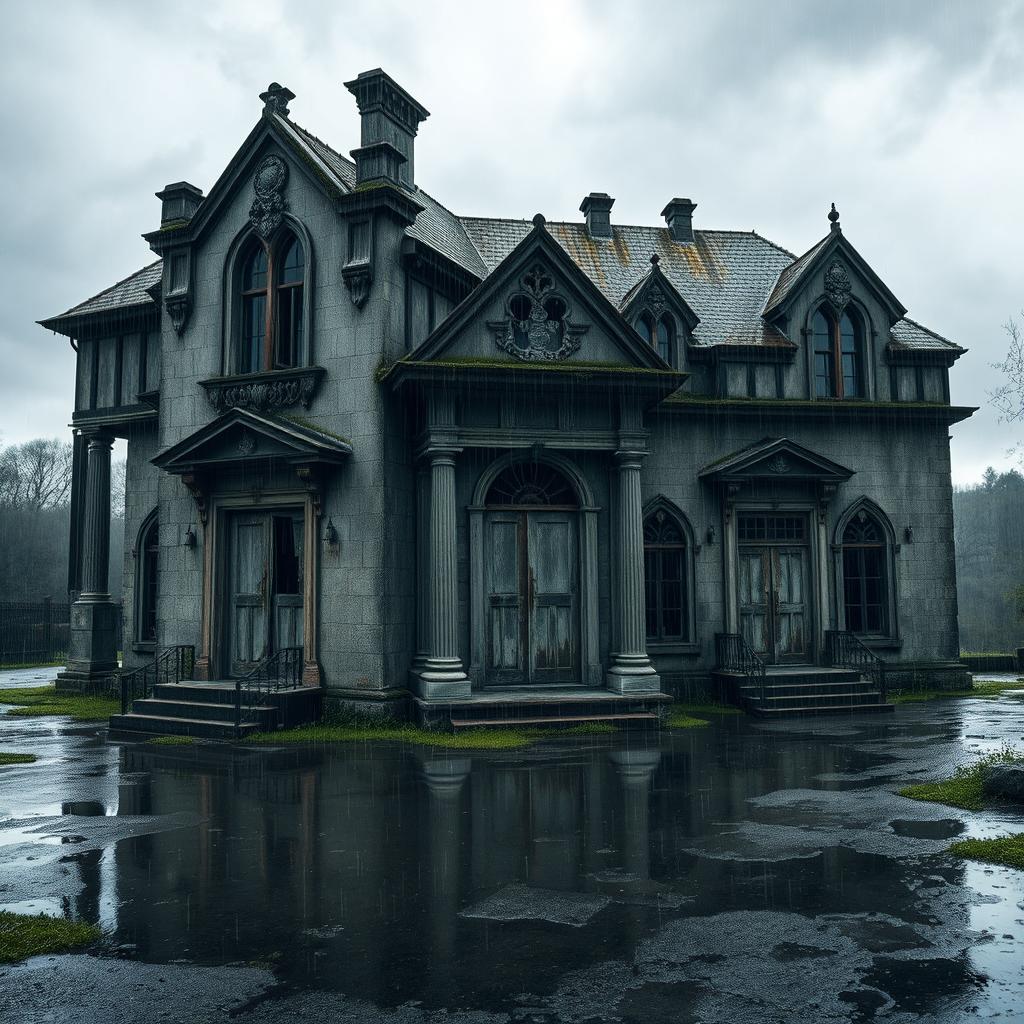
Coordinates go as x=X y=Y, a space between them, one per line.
x=10 y=666
x=6 y=757
x=688 y=716
x=965 y=787
x=982 y=690
x=363 y=729
x=23 y=935
x=45 y=700
x=171 y=741
x=1006 y=850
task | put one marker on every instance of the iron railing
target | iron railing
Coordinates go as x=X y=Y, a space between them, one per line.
x=170 y=665
x=280 y=671
x=849 y=651
x=734 y=654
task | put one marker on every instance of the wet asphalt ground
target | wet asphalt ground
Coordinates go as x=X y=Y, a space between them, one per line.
x=749 y=871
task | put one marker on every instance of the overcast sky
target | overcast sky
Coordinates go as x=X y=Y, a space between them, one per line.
x=907 y=115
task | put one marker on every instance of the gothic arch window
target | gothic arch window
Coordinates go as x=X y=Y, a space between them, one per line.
x=147 y=579
x=667 y=575
x=271 y=296
x=659 y=332
x=838 y=344
x=866 y=562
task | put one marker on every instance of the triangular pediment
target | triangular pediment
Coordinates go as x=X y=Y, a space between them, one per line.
x=655 y=293
x=776 y=459
x=833 y=268
x=538 y=307
x=240 y=436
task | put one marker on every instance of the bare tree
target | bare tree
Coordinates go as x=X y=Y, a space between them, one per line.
x=36 y=475
x=118 y=474
x=1008 y=398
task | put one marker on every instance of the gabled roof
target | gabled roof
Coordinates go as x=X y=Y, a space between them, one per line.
x=538 y=241
x=813 y=260
x=777 y=458
x=637 y=296
x=909 y=334
x=131 y=293
x=240 y=435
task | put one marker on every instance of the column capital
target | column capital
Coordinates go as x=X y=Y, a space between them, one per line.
x=438 y=453
x=97 y=437
x=629 y=458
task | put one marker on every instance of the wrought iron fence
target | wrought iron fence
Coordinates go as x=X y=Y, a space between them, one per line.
x=281 y=671
x=34 y=631
x=171 y=665
x=734 y=654
x=849 y=651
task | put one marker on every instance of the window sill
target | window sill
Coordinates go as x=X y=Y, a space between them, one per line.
x=265 y=391
x=673 y=647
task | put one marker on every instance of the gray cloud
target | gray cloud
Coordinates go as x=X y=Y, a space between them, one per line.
x=907 y=115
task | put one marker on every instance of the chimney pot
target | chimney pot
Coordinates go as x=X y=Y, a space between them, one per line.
x=679 y=218
x=597 y=208
x=389 y=117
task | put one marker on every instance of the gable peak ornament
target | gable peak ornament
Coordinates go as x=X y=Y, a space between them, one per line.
x=833 y=219
x=276 y=99
x=268 y=206
x=538 y=327
x=837 y=286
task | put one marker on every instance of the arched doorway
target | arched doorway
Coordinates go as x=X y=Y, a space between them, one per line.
x=531 y=577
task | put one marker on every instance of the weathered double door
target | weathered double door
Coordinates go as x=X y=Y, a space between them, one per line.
x=264 y=602
x=531 y=573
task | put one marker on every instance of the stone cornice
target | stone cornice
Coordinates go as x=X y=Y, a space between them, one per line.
x=264 y=392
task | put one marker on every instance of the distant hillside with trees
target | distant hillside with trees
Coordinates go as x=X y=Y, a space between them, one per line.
x=988 y=522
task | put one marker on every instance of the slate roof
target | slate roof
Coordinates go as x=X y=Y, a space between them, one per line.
x=126 y=294
x=791 y=274
x=909 y=334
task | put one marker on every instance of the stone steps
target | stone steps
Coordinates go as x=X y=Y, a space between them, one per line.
x=805 y=691
x=137 y=726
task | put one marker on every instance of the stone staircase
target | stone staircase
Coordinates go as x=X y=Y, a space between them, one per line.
x=804 y=690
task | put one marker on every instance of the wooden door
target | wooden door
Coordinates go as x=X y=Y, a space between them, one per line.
x=288 y=580
x=551 y=583
x=773 y=602
x=248 y=569
x=754 y=606
x=504 y=569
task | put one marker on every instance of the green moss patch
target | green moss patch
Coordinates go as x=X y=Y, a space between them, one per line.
x=6 y=757
x=989 y=690
x=23 y=935
x=1006 y=850
x=965 y=787
x=691 y=716
x=45 y=700
x=171 y=741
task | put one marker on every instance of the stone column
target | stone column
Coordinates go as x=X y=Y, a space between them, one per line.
x=631 y=670
x=442 y=676
x=92 y=658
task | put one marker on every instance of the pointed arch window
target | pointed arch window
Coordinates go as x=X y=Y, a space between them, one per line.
x=838 y=354
x=659 y=332
x=666 y=574
x=272 y=286
x=866 y=584
x=147 y=580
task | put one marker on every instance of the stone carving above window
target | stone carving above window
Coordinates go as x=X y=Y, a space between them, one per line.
x=538 y=326
x=268 y=207
x=837 y=286
x=779 y=464
x=264 y=392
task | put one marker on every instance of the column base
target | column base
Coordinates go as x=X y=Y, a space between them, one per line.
x=92 y=648
x=632 y=673
x=441 y=679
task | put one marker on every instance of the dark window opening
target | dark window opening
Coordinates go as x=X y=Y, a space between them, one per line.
x=865 y=584
x=288 y=567
x=148 y=582
x=667 y=600
x=837 y=355
x=772 y=528
x=272 y=286
x=530 y=483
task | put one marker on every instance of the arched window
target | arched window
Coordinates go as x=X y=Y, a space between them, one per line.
x=865 y=575
x=659 y=332
x=666 y=576
x=838 y=372
x=529 y=483
x=272 y=285
x=147 y=579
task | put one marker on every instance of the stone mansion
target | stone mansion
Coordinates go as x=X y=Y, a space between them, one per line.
x=464 y=460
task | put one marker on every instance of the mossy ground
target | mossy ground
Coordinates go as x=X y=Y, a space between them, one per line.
x=171 y=741
x=982 y=690
x=6 y=757
x=965 y=787
x=24 y=935
x=353 y=729
x=1006 y=850
x=45 y=700
x=691 y=716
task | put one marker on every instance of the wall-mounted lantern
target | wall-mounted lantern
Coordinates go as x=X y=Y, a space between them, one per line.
x=710 y=536
x=331 y=535
x=908 y=535
x=190 y=538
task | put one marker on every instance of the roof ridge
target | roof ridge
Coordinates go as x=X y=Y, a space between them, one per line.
x=316 y=138
x=645 y=227
x=110 y=288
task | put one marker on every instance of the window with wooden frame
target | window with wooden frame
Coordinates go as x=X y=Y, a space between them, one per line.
x=659 y=332
x=666 y=578
x=272 y=284
x=838 y=355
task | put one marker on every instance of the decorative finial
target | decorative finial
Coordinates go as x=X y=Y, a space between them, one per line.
x=655 y=259
x=833 y=216
x=276 y=99
x=539 y=220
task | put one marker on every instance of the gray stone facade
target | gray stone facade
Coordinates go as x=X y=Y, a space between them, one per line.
x=437 y=352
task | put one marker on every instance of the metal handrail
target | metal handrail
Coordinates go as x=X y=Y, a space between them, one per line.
x=281 y=670
x=847 y=649
x=169 y=665
x=734 y=654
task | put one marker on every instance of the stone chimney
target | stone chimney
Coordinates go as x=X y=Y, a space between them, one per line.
x=390 y=118
x=597 y=208
x=178 y=202
x=679 y=218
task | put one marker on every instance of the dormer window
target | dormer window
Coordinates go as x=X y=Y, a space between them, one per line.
x=659 y=332
x=272 y=281
x=838 y=344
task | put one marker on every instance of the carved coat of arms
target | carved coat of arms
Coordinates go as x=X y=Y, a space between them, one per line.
x=267 y=210
x=837 y=286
